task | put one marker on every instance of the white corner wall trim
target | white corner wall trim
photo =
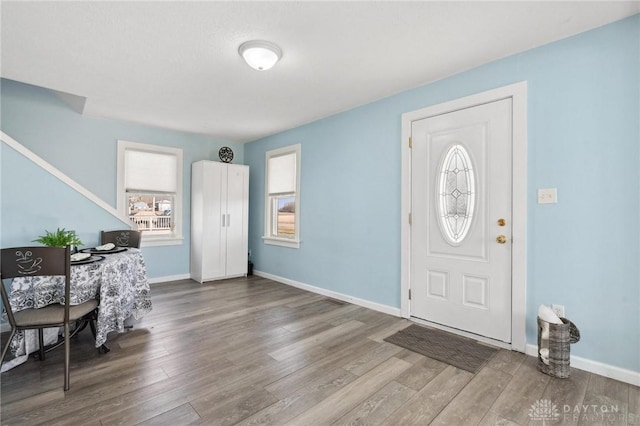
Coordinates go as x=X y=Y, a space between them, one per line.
x=333 y=294
x=169 y=278
x=61 y=176
x=596 y=367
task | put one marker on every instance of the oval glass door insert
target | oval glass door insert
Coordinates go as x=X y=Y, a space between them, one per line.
x=457 y=196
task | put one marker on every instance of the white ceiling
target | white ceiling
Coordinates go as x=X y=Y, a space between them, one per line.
x=175 y=64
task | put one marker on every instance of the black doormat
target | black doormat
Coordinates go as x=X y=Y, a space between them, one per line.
x=458 y=351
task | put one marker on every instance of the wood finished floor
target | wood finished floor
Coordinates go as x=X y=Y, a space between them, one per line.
x=256 y=352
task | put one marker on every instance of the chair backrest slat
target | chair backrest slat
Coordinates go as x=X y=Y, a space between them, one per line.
x=35 y=262
x=121 y=238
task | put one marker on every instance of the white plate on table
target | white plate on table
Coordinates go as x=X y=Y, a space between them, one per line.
x=77 y=257
x=90 y=259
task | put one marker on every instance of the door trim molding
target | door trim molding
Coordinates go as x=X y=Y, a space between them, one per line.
x=518 y=93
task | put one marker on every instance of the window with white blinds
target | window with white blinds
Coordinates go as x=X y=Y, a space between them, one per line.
x=150 y=190
x=150 y=171
x=282 y=200
x=282 y=174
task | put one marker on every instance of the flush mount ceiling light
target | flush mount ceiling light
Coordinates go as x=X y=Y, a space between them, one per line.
x=260 y=55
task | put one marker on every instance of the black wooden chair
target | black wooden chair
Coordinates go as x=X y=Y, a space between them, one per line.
x=43 y=261
x=122 y=238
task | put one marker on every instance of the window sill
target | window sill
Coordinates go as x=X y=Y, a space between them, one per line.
x=161 y=241
x=282 y=242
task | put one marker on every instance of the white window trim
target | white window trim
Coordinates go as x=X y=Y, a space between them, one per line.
x=268 y=239
x=121 y=205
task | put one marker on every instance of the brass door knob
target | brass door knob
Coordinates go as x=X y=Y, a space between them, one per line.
x=502 y=222
x=501 y=239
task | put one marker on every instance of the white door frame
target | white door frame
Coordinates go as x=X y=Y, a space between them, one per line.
x=518 y=93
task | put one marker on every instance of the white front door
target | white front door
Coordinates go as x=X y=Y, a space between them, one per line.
x=461 y=186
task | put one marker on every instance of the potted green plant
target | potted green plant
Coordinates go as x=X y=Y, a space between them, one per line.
x=59 y=238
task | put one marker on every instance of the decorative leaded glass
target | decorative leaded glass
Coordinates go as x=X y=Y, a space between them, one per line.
x=456 y=194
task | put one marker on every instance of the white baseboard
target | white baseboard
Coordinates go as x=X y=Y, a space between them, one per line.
x=333 y=294
x=169 y=278
x=596 y=367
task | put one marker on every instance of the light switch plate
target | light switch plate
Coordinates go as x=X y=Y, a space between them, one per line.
x=547 y=196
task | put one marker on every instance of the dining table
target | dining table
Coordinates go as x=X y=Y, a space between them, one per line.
x=118 y=279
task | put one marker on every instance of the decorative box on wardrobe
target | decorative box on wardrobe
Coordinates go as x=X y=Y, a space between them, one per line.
x=219 y=220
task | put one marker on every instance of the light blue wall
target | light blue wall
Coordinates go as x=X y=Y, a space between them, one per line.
x=583 y=138
x=33 y=198
x=84 y=148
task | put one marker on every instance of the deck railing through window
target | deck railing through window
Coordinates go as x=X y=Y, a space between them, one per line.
x=152 y=223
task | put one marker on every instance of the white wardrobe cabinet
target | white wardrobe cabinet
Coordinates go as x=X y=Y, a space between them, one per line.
x=219 y=220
